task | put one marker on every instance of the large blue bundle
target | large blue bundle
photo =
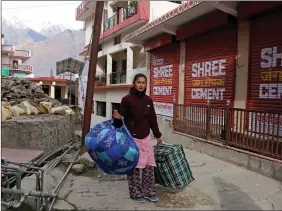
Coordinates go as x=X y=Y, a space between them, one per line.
x=113 y=149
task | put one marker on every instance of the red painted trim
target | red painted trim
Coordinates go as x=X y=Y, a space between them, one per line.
x=143 y=13
x=84 y=3
x=208 y=22
x=49 y=79
x=158 y=42
x=249 y=9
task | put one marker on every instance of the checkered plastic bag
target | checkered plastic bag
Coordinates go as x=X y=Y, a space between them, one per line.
x=172 y=169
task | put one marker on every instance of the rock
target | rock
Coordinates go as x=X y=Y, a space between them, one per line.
x=62 y=205
x=68 y=158
x=86 y=160
x=78 y=168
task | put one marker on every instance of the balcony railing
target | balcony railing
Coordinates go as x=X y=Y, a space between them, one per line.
x=80 y=8
x=118 y=77
x=20 y=67
x=130 y=10
x=100 y=80
x=22 y=53
x=110 y=23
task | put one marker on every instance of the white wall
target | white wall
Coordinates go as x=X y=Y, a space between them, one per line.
x=159 y=8
x=109 y=96
x=88 y=28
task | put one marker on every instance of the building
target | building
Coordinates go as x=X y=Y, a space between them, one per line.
x=12 y=62
x=216 y=72
x=118 y=61
x=57 y=88
x=215 y=52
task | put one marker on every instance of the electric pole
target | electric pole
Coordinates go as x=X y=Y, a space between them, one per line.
x=92 y=71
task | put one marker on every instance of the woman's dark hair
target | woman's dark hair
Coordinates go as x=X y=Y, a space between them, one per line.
x=138 y=75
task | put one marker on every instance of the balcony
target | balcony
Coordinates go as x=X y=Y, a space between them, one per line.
x=118 y=78
x=110 y=23
x=18 y=68
x=8 y=49
x=84 y=10
x=101 y=80
x=129 y=11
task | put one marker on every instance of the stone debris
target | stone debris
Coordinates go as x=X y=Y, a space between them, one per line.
x=78 y=168
x=86 y=160
x=20 y=96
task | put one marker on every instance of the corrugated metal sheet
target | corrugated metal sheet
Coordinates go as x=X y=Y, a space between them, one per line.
x=164 y=77
x=210 y=67
x=265 y=78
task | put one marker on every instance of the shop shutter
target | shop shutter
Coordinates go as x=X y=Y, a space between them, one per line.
x=164 y=73
x=210 y=67
x=265 y=78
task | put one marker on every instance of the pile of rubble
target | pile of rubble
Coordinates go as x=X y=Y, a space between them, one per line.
x=25 y=97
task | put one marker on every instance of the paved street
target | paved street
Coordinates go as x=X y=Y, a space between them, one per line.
x=218 y=185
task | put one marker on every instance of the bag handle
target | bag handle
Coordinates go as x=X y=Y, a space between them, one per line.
x=124 y=127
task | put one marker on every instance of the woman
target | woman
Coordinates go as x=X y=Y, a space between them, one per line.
x=139 y=116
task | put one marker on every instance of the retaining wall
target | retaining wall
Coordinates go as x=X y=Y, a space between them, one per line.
x=42 y=132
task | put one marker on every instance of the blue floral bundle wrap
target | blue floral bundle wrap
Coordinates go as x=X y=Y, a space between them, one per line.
x=113 y=149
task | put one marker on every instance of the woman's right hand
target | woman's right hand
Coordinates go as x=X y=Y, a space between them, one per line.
x=116 y=114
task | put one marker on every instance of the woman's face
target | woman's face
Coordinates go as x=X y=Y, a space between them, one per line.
x=140 y=84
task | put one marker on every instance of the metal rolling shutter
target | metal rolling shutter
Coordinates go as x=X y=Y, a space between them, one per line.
x=203 y=51
x=162 y=57
x=265 y=78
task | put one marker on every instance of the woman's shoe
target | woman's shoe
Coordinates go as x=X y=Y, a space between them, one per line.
x=140 y=200
x=152 y=198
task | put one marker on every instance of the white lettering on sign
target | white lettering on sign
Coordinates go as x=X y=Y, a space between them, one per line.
x=163 y=71
x=208 y=94
x=270 y=57
x=270 y=91
x=209 y=68
x=157 y=62
x=162 y=90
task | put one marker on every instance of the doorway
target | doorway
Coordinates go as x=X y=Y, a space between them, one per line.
x=58 y=95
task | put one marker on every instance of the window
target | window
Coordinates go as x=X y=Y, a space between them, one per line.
x=100 y=48
x=115 y=106
x=117 y=40
x=101 y=108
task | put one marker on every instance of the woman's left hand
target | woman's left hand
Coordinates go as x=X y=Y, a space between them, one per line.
x=159 y=141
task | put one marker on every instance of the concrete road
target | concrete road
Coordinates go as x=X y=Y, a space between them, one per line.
x=218 y=185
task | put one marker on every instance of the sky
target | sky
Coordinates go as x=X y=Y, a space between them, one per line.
x=36 y=14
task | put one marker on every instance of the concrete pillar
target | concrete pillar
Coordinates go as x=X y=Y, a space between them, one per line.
x=108 y=110
x=148 y=72
x=241 y=83
x=52 y=91
x=181 y=73
x=129 y=66
x=109 y=67
x=66 y=92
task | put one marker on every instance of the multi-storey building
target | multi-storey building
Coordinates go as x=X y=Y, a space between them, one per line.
x=12 y=62
x=118 y=61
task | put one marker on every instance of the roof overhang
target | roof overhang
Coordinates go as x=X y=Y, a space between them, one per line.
x=69 y=65
x=173 y=20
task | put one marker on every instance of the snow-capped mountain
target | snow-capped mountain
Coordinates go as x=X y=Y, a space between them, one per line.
x=16 y=32
x=52 y=30
x=49 y=43
x=15 y=23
